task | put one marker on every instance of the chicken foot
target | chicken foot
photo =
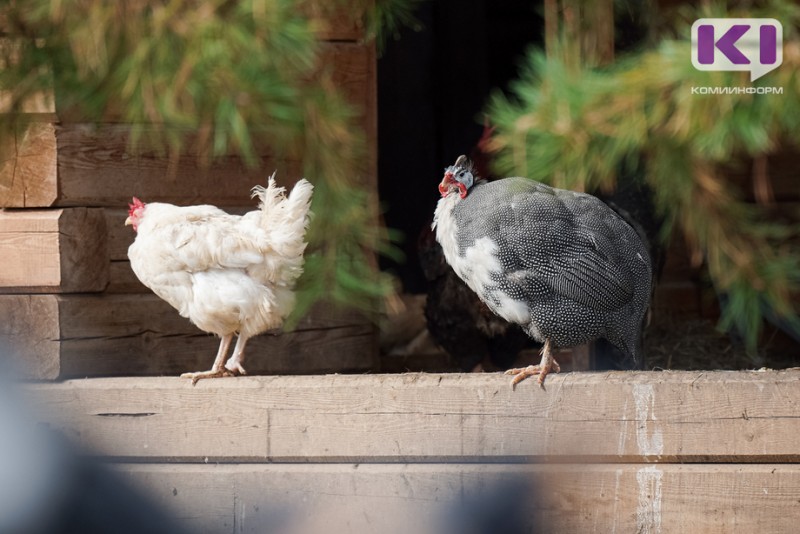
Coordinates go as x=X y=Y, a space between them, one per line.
x=547 y=364
x=234 y=364
x=217 y=370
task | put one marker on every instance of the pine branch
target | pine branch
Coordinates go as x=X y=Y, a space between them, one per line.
x=575 y=127
x=228 y=77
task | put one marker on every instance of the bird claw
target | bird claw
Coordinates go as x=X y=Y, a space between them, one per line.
x=235 y=368
x=521 y=373
x=231 y=368
x=199 y=375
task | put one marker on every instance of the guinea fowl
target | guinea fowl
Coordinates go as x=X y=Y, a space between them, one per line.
x=633 y=200
x=460 y=323
x=561 y=264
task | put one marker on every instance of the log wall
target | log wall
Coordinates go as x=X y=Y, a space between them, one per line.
x=70 y=303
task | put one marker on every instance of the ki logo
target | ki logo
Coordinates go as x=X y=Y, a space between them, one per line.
x=754 y=45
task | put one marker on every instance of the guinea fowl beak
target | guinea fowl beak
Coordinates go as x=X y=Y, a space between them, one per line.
x=447 y=181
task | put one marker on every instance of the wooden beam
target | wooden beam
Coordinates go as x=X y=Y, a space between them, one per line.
x=29 y=335
x=53 y=251
x=97 y=166
x=139 y=334
x=28 y=166
x=615 y=416
x=359 y=498
x=75 y=164
x=120 y=237
x=343 y=24
x=122 y=279
x=581 y=32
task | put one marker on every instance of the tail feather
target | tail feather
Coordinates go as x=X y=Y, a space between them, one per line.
x=285 y=219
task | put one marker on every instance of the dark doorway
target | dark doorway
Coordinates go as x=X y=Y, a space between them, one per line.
x=432 y=86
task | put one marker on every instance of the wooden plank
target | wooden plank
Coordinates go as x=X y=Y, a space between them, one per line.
x=29 y=335
x=53 y=251
x=343 y=24
x=585 y=29
x=615 y=416
x=120 y=237
x=28 y=167
x=359 y=498
x=122 y=279
x=96 y=165
x=139 y=334
x=339 y=349
x=29 y=248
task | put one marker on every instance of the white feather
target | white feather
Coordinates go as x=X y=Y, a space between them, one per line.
x=226 y=273
x=478 y=266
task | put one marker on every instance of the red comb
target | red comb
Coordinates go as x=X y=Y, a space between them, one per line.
x=137 y=204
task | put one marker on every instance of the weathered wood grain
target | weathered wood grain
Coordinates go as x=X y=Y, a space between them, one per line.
x=74 y=164
x=345 y=24
x=121 y=279
x=96 y=166
x=139 y=334
x=120 y=237
x=28 y=166
x=615 y=416
x=29 y=335
x=53 y=251
x=359 y=498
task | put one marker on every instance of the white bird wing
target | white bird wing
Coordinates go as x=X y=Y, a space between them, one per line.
x=207 y=238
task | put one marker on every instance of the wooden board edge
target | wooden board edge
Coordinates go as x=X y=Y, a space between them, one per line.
x=395 y=498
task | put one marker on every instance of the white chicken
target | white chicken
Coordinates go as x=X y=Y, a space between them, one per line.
x=228 y=274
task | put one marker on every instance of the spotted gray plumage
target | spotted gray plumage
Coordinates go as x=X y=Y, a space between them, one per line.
x=578 y=269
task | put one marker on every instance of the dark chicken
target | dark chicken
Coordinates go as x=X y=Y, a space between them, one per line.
x=562 y=265
x=459 y=321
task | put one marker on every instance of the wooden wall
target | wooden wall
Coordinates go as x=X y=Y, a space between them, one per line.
x=70 y=304
x=609 y=452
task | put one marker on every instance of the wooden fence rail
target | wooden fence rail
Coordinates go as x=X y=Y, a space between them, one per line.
x=609 y=452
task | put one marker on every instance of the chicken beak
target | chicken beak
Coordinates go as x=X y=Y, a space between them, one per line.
x=444 y=186
x=128 y=221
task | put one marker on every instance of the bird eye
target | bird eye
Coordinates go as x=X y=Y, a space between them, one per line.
x=461 y=174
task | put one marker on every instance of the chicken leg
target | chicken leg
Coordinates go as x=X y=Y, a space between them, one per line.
x=234 y=364
x=217 y=370
x=547 y=364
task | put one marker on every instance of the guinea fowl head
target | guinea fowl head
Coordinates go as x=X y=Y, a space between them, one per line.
x=135 y=213
x=458 y=177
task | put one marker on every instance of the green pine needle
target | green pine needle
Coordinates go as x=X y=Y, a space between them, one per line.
x=575 y=127
x=222 y=77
